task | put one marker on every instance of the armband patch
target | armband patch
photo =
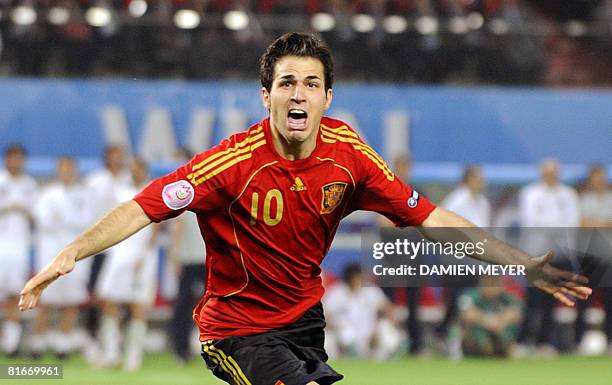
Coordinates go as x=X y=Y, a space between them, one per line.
x=178 y=195
x=413 y=201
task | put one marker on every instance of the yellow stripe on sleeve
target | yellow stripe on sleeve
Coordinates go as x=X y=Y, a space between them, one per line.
x=329 y=137
x=222 y=156
x=252 y=137
x=237 y=158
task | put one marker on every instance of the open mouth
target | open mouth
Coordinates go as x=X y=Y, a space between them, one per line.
x=296 y=119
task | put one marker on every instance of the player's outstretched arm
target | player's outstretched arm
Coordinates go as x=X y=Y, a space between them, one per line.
x=121 y=222
x=561 y=284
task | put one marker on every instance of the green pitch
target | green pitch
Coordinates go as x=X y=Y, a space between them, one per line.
x=161 y=370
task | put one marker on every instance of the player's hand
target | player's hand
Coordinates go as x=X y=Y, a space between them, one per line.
x=63 y=263
x=565 y=286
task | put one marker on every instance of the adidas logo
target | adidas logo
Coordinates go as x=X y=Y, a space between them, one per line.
x=298 y=185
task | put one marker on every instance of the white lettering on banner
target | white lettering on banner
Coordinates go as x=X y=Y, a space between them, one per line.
x=396 y=134
x=199 y=136
x=233 y=120
x=158 y=140
x=115 y=127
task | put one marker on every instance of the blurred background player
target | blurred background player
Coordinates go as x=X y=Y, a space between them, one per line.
x=596 y=199
x=186 y=253
x=402 y=168
x=596 y=211
x=468 y=200
x=103 y=186
x=490 y=318
x=62 y=212
x=128 y=277
x=17 y=196
x=360 y=319
x=544 y=205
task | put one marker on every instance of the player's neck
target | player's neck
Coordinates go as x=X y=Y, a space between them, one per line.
x=115 y=171
x=293 y=150
x=15 y=173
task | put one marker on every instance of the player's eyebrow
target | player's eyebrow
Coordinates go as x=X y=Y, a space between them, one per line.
x=292 y=77
x=286 y=77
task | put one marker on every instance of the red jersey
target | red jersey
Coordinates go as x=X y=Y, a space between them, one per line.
x=268 y=222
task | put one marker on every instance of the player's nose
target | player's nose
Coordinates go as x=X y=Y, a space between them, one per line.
x=298 y=93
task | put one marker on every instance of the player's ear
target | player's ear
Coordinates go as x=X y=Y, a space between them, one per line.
x=265 y=98
x=328 y=98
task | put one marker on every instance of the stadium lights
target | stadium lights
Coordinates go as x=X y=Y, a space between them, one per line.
x=236 y=20
x=475 y=21
x=363 y=23
x=137 y=8
x=458 y=25
x=427 y=25
x=23 y=15
x=58 y=15
x=499 y=26
x=98 y=16
x=575 y=28
x=186 y=19
x=395 y=24
x=323 y=22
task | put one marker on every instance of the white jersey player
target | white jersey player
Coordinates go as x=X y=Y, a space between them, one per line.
x=548 y=204
x=128 y=277
x=549 y=210
x=360 y=319
x=468 y=199
x=103 y=185
x=17 y=195
x=61 y=214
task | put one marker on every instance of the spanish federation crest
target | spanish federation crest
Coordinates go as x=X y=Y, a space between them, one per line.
x=332 y=196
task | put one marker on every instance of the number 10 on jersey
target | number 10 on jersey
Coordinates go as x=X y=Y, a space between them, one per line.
x=268 y=219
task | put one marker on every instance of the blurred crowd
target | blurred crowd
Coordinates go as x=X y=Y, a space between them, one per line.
x=109 y=295
x=104 y=307
x=489 y=316
x=558 y=43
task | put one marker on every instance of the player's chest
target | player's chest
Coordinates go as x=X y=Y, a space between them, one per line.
x=274 y=195
x=16 y=191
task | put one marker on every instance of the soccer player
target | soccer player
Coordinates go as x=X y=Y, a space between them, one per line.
x=548 y=205
x=128 y=277
x=61 y=214
x=17 y=196
x=102 y=187
x=469 y=201
x=269 y=201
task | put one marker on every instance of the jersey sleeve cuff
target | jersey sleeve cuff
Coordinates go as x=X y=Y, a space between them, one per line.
x=138 y=199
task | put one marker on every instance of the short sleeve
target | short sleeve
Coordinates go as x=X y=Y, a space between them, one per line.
x=381 y=191
x=167 y=196
x=183 y=189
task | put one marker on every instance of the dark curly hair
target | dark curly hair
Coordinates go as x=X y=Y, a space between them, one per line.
x=295 y=44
